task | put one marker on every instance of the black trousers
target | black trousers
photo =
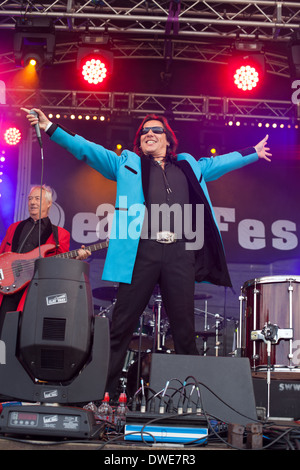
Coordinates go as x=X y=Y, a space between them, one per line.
x=173 y=268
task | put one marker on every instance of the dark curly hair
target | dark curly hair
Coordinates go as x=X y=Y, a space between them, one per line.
x=171 y=138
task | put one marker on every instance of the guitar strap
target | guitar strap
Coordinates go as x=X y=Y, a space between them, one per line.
x=55 y=235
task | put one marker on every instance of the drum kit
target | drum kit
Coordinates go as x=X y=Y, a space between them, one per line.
x=153 y=335
x=267 y=331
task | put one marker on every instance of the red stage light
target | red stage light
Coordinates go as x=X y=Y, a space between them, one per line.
x=94 y=70
x=12 y=136
x=246 y=77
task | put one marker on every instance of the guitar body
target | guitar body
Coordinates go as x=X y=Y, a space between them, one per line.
x=16 y=269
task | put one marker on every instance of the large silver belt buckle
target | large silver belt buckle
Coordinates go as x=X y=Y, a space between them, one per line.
x=165 y=237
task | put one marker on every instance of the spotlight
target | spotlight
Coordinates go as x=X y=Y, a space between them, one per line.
x=246 y=77
x=34 y=38
x=294 y=56
x=32 y=59
x=94 y=71
x=12 y=136
x=94 y=65
x=247 y=66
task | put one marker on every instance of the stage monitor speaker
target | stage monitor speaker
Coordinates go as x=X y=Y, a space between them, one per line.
x=56 y=326
x=225 y=384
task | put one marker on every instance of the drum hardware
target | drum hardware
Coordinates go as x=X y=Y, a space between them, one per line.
x=271 y=334
x=218 y=343
x=157 y=312
x=208 y=332
x=274 y=300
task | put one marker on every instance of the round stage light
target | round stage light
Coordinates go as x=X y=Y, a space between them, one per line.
x=94 y=71
x=246 y=77
x=12 y=136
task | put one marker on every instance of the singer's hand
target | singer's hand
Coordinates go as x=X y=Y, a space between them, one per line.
x=42 y=120
x=262 y=149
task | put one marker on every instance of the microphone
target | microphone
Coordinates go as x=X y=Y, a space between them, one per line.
x=37 y=127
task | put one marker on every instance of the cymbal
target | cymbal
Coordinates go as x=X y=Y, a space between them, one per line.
x=105 y=293
x=196 y=297
x=205 y=334
x=202 y=296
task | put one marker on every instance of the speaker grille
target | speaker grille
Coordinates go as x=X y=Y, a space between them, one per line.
x=52 y=359
x=54 y=329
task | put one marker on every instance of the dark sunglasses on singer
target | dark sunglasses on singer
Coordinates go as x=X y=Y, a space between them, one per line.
x=155 y=130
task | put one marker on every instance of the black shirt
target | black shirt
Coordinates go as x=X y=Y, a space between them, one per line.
x=29 y=237
x=167 y=201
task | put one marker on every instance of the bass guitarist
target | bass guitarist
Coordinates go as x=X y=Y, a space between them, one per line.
x=25 y=236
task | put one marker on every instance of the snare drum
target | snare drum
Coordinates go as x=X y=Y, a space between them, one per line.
x=268 y=302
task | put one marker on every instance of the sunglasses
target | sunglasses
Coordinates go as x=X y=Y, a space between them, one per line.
x=155 y=130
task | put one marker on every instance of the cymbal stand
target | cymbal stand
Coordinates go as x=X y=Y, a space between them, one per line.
x=139 y=351
x=205 y=329
x=157 y=322
x=217 y=316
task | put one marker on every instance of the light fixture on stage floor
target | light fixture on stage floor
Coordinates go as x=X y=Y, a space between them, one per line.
x=56 y=350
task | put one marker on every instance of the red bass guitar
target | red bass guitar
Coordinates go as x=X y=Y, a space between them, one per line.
x=16 y=269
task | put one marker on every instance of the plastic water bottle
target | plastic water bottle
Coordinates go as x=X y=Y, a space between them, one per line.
x=91 y=406
x=121 y=411
x=105 y=410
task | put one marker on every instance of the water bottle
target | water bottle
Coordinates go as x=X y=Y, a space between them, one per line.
x=105 y=410
x=91 y=406
x=121 y=411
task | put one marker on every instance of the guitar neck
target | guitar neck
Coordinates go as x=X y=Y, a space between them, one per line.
x=74 y=253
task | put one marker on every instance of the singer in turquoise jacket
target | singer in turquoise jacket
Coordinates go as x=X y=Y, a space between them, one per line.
x=154 y=172
x=130 y=172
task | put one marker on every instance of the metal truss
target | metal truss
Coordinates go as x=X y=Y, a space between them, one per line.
x=211 y=18
x=276 y=63
x=177 y=30
x=137 y=105
x=194 y=30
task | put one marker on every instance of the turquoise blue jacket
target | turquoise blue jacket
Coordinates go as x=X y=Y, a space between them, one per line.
x=131 y=172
